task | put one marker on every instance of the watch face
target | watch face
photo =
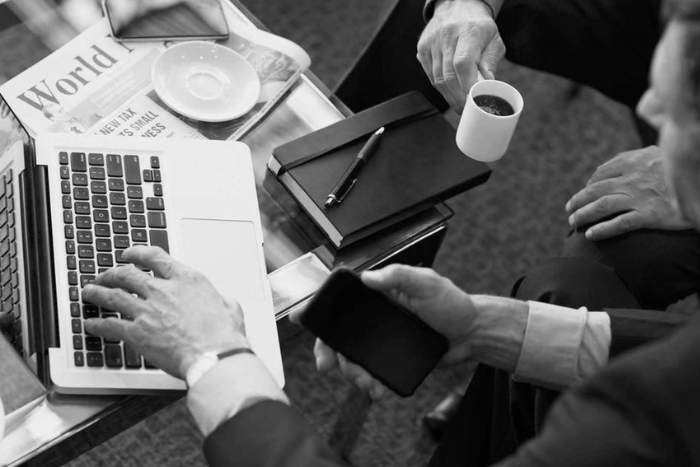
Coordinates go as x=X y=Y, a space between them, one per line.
x=200 y=366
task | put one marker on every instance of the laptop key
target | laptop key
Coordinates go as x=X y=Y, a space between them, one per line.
x=116 y=184
x=155 y=204
x=97 y=173
x=95 y=359
x=95 y=158
x=113 y=355
x=72 y=278
x=65 y=187
x=158 y=189
x=121 y=241
x=82 y=208
x=85 y=236
x=98 y=187
x=139 y=235
x=70 y=247
x=114 y=165
x=103 y=230
x=134 y=192
x=75 y=310
x=137 y=220
x=76 y=326
x=120 y=227
x=132 y=170
x=87 y=267
x=104 y=260
x=71 y=262
x=91 y=311
x=80 y=179
x=103 y=244
x=93 y=343
x=86 y=251
x=160 y=238
x=83 y=222
x=156 y=220
x=78 y=162
x=79 y=359
x=86 y=279
x=68 y=232
x=131 y=358
x=99 y=201
x=77 y=342
x=63 y=158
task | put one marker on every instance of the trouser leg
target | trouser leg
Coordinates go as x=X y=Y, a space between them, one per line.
x=388 y=66
x=659 y=267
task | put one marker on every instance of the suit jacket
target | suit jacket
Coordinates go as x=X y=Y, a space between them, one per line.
x=642 y=409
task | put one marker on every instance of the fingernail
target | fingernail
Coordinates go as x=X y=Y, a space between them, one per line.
x=589 y=233
x=568 y=206
x=572 y=221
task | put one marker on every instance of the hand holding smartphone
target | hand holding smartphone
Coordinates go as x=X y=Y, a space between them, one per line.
x=373 y=331
x=148 y=20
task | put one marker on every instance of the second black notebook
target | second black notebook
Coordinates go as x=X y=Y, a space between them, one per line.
x=416 y=165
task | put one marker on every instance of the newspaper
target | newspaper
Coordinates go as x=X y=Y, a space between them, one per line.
x=95 y=85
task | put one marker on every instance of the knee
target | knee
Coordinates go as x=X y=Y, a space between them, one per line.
x=574 y=282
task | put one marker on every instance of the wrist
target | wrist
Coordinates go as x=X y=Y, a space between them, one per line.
x=210 y=353
x=499 y=330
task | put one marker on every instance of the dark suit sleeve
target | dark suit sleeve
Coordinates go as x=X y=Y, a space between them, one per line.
x=268 y=434
x=642 y=410
x=631 y=328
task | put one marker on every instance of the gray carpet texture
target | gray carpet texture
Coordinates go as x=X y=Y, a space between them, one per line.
x=499 y=231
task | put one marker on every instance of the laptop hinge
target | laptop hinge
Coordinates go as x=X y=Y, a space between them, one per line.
x=39 y=267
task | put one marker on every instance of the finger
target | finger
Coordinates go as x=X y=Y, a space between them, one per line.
x=129 y=278
x=401 y=278
x=156 y=259
x=491 y=57
x=619 y=225
x=600 y=209
x=326 y=358
x=452 y=80
x=110 y=328
x=593 y=192
x=425 y=57
x=114 y=299
x=466 y=60
x=355 y=373
x=437 y=71
x=608 y=170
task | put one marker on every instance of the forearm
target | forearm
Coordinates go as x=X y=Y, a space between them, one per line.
x=429 y=8
x=499 y=331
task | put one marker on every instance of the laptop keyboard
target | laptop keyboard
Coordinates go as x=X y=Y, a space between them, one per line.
x=10 y=322
x=110 y=202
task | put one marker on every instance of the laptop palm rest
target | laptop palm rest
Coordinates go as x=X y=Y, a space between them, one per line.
x=223 y=250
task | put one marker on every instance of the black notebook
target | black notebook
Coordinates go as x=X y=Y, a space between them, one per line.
x=416 y=165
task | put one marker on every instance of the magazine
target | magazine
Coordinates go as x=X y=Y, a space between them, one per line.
x=95 y=85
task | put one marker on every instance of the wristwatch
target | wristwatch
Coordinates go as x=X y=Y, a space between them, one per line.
x=207 y=360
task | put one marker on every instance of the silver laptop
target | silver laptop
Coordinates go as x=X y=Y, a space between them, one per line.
x=70 y=205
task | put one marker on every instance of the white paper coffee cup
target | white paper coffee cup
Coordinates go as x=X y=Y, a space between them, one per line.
x=482 y=135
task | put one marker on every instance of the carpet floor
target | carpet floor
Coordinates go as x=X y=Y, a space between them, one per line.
x=499 y=231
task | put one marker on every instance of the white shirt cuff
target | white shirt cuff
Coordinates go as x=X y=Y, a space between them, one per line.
x=230 y=386
x=550 y=353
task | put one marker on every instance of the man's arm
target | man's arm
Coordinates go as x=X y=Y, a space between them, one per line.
x=268 y=434
x=429 y=8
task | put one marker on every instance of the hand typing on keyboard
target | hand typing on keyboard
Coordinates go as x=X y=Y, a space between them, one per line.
x=173 y=317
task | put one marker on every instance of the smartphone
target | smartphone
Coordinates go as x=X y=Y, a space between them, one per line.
x=370 y=329
x=134 y=20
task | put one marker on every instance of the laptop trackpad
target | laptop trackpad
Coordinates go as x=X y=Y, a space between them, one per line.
x=227 y=253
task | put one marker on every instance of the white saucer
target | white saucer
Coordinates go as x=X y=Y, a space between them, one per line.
x=205 y=81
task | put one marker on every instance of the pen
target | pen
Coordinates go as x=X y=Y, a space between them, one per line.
x=349 y=177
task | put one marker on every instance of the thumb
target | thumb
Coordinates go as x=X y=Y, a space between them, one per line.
x=400 y=278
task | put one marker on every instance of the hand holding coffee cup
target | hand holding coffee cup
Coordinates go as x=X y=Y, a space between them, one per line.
x=488 y=120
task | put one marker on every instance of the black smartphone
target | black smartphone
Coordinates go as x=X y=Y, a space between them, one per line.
x=370 y=329
x=133 y=20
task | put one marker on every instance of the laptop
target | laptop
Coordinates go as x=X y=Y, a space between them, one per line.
x=71 y=204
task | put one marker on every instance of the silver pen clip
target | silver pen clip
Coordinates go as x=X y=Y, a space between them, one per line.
x=340 y=200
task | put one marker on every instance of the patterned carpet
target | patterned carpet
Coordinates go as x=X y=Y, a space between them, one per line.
x=499 y=231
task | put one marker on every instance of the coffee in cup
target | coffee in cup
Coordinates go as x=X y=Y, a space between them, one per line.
x=489 y=119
